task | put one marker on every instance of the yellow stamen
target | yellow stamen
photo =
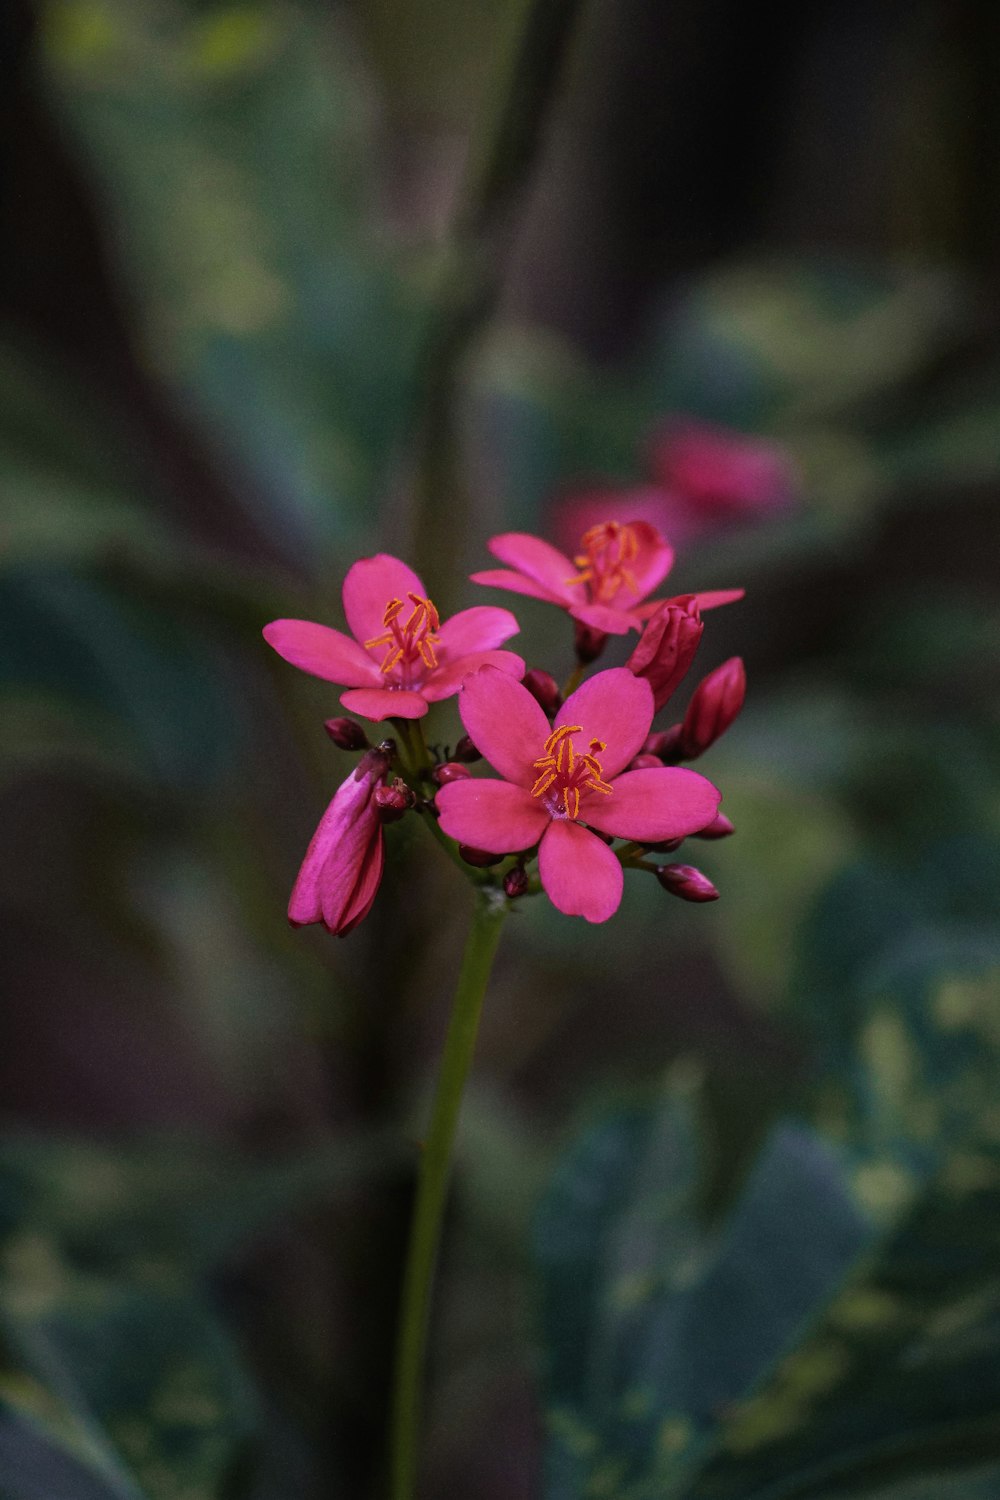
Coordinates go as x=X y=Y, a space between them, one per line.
x=569 y=772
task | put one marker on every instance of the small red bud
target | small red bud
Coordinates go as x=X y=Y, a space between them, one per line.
x=481 y=858
x=450 y=771
x=666 y=846
x=665 y=744
x=646 y=762
x=544 y=689
x=466 y=750
x=719 y=828
x=346 y=735
x=714 y=705
x=391 y=802
x=588 y=642
x=515 y=882
x=687 y=882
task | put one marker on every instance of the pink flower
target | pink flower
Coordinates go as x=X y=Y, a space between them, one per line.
x=402 y=657
x=343 y=865
x=720 y=474
x=605 y=585
x=561 y=782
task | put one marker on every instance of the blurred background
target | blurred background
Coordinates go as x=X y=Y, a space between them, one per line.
x=727 y=1206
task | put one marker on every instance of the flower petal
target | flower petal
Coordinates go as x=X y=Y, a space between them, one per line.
x=482 y=628
x=653 y=804
x=492 y=815
x=368 y=587
x=537 y=560
x=603 y=617
x=505 y=723
x=505 y=578
x=706 y=599
x=444 y=681
x=653 y=560
x=581 y=875
x=324 y=652
x=366 y=889
x=384 y=703
x=613 y=706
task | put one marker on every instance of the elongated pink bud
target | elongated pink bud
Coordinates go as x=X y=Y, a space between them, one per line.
x=544 y=689
x=714 y=705
x=667 y=646
x=340 y=874
x=687 y=882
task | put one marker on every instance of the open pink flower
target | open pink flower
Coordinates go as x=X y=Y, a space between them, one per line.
x=605 y=585
x=402 y=657
x=562 y=781
x=343 y=865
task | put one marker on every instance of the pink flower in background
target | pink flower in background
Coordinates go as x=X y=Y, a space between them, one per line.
x=343 y=865
x=402 y=656
x=603 y=585
x=721 y=475
x=562 y=781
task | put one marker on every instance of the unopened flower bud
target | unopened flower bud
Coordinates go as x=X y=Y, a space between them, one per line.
x=665 y=846
x=719 y=828
x=687 y=882
x=665 y=744
x=588 y=642
x=544 y=689
x=515 y=882
x=466 y=750
x=717 y=700
x=346 y=734
x=391 y=802
x=450 y=771
x=646 y=762
x=481 y=858
x=667 y=645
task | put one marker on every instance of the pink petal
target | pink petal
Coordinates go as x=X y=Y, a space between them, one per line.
x=492 y=815
x=652 y=563
x=369 y=586
x=505 y=723
x=604 y=617
x=366 y=889
x=504 y=578
x=444 y=681
x=652 y=805
x=537 y=560
x=324 y=652
x=581 y=876
x=384 y=703
x=613 y=706
x=482 y=628
x=707 y=599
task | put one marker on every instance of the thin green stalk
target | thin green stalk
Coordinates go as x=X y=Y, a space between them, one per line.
x=432 y=1188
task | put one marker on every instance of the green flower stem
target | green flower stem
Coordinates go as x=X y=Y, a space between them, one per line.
x=432 y=1187
x=574 y=679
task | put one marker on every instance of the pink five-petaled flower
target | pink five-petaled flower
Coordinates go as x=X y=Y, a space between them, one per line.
x=605 y=585
x=343 y=865
x=558 y=779
x=402 y=657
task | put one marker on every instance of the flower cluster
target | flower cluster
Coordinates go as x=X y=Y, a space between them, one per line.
x=584 y=787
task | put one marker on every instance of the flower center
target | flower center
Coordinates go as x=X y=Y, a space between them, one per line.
x=564 y=773
x=608 y=550
x=409 y=642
